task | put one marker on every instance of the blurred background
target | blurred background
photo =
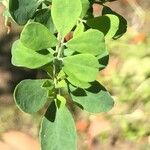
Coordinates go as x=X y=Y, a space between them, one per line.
x=127 y=77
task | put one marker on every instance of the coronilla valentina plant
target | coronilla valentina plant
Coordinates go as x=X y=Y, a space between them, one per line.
x=71 y=64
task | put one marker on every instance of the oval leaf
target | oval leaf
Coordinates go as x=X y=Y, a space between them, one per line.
x=30 y=96
x=85 y=7
x=94 y=99
x=122 y=22
x=79 y=29
x=36 y=36
x=65 y=14
x=43 y=16
x=108 y=24
x=77 y=82
x=103 y=60
x=23 y=10
x=91 y=41
x=25 y=57
x=58 y=129
x=82 y=67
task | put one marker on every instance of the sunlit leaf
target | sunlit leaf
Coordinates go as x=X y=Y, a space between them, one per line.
x=65 y=14
x=36 y=36
x=25 y=57
x=82 y=67
x=92 y=42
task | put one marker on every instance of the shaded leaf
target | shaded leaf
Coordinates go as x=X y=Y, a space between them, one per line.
x=23 y=10
x=43 y=16
x=103 y=60
x=58 y=130
x=95 y=99
x=122 y=22
x=30 y=96
x=108 y=24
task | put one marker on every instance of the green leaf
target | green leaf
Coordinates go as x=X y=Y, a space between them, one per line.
x=58 y=129
x=89 y=13
x=81 y=67
x=37 y=37
x=108 y=24
x=29 y=96
x=68 y=52
x=25 y=57
x=94 y=99
x=72 y=79
x=23 y=10
x=79 y=29
x=103 y=60
x=43 y=16
x=65 y=14
x=48 y=1
x=92 y=42
x=77 y=82
x=61 y=84
x=48 y=84
x=122 y=22
x=62 y=101
x=85 y=7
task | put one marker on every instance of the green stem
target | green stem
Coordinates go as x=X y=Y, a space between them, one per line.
x=59 y=47
x=58 y=53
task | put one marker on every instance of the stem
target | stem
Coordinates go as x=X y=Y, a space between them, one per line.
x=58 y=51
x=59 y=43
x=54 y=72
x=59 y=46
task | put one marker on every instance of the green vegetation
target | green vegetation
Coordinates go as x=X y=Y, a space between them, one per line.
x=72 y=65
